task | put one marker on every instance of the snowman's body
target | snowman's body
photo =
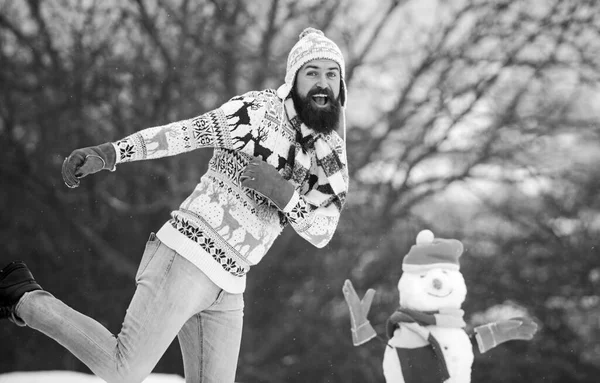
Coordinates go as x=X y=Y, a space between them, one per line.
x=411 y=358
x=456 y=347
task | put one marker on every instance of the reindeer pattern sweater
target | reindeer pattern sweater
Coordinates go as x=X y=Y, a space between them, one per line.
x=222 y=227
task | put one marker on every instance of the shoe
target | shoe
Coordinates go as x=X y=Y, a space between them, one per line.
x=15 y=280
x=8 y=312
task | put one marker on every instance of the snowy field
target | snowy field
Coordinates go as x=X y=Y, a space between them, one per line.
x=74 y=377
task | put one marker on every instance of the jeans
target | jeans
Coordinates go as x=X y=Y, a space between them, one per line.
x=172 y=298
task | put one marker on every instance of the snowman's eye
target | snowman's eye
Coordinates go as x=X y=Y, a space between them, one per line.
x=422 y=275
x=445 y=272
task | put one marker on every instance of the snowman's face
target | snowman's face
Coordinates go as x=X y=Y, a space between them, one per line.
x=432 y=289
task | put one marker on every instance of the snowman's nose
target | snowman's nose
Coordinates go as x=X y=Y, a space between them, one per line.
x=437 y=284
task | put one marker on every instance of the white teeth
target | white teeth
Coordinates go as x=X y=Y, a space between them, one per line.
x=320 y=99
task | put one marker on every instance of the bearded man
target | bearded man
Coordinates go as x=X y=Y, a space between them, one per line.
x=278 y=160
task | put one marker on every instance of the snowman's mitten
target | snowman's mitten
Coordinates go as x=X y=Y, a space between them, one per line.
x=362 y=331
x=492 y=334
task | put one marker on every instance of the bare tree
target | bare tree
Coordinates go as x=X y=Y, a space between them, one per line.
x=470 y=100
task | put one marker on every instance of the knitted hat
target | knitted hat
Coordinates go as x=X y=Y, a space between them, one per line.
x=312 y=45
x=430 y=253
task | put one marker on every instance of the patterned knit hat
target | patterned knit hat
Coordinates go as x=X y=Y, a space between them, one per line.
x=430 y=253
x=312 y=45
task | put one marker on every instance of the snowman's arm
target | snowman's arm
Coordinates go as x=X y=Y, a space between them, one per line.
x=478 y=342
x=472 y=337
x=362 y=331
x=492 y=334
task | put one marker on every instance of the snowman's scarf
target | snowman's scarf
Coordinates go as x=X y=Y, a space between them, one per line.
x=452 y=318
x=442 y=318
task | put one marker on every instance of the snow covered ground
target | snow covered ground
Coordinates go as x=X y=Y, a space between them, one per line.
x=74 y=377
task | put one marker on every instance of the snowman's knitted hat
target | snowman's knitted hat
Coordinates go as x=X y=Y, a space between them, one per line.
x=430 y=253
x=312 y=45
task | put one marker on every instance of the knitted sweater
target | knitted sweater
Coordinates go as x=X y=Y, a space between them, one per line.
x=222 y=227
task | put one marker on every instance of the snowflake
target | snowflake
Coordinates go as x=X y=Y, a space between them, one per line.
x=126 y=149
x=193 y=233
x=230 y=265
x=219 y=254
x=208 y=244
x=239 y=271
x=299 y=212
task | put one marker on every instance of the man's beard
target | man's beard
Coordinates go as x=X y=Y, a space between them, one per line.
x=321 y=120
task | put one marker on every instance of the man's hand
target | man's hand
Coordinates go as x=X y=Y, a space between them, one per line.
x=266 y=180
x=362 y=331
x=82 y=162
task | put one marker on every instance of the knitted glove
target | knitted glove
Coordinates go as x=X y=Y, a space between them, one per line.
x=362 y=331
x=266 y=180
x=82 y=162
x=492 y=334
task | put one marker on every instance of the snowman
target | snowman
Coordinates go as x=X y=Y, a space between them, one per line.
x=427 y=340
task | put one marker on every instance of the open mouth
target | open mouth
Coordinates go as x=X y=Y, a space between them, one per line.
x=320 y=99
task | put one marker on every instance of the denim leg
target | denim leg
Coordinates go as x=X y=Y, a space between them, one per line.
x=168 y=293
x=210 y=341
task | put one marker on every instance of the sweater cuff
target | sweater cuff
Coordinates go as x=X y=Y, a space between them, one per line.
x=292 y=202
x=117 y=155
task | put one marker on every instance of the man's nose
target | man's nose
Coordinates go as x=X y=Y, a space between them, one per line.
x=322 y=82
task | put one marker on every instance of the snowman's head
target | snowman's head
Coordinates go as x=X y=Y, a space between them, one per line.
x=433 y=289
x=431 y=278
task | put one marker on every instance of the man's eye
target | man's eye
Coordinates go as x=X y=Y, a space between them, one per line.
x=332 y=75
